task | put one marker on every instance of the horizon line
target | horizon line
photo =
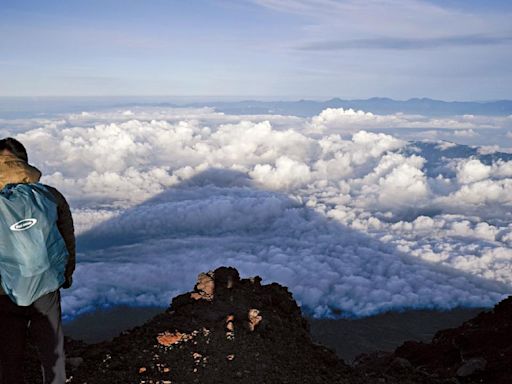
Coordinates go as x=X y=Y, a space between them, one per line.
x=241 y=98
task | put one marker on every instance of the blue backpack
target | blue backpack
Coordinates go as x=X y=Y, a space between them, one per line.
x=33 y=254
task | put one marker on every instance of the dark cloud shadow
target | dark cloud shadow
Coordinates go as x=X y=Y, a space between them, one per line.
x=288 y=242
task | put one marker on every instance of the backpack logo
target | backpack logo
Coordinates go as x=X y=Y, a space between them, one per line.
x=23 y=225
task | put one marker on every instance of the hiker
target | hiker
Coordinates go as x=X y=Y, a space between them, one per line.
x=41 y=319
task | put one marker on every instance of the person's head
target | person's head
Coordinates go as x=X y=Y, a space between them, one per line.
x=13 y=146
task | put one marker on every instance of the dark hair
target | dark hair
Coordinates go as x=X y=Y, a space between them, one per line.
x=15 y=147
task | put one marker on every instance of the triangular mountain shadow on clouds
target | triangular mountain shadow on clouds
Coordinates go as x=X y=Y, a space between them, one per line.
x=153 y=251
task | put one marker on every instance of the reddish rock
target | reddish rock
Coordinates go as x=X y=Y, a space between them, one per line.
x=205 y=287
x=254 y=318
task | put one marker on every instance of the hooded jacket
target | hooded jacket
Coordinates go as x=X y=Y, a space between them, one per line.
x=16 y=170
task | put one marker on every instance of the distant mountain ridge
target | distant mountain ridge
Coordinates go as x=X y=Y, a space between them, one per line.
x=378 y=105
x=22 y=107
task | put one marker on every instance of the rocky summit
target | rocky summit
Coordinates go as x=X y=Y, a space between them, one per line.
x=233 y=330
x=228 y=330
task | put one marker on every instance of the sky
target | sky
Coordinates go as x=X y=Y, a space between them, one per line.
x=278 y=49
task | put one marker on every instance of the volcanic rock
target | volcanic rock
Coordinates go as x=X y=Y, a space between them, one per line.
x=229 y=330
x=254 y=318
x=205 y=287
x=471 y=366
x=479 y=351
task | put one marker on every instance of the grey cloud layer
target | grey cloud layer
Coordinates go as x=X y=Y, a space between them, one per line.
x=407 y=43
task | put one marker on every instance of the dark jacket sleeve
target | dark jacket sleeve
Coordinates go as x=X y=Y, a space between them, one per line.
x=67 y=230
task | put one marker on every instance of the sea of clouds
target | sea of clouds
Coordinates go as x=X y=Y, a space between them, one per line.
x=353 y=220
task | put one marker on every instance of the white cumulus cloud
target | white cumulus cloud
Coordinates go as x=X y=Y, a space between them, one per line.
x=349 y=218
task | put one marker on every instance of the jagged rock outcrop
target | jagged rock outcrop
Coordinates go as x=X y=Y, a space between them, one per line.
x=228 y=330
x=479 y=351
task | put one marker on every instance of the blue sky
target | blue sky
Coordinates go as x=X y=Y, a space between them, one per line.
x=452 y=50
